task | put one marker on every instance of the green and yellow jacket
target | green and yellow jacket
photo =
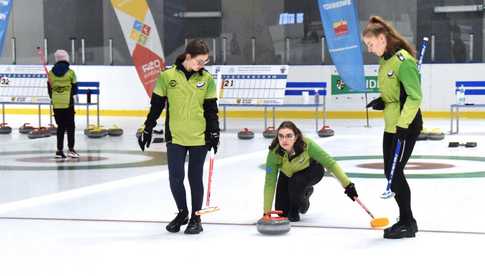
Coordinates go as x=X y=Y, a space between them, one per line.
x=400 y=86
x=278 y=160
x=192 y=110
x=62 y=85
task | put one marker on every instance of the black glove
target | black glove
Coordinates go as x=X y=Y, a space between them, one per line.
x=376 y=104
x=212 y=140
x=401 y=133
x=350 y=191
x=145 y=139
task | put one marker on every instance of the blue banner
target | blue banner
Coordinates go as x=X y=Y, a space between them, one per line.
x=342 y=33
x=5 y=7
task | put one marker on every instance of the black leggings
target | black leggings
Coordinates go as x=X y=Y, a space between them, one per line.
x=290 y=190
x=65 y=122
x=399 y=183
x=176 y=159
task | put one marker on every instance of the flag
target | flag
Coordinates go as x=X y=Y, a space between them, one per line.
x=341 y=25
x=142 y=38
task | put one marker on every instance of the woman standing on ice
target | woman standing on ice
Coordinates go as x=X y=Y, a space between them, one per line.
x=400 y=86
x=191 y=125
x=300 y=163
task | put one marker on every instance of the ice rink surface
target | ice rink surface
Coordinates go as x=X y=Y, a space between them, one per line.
x=105 y=215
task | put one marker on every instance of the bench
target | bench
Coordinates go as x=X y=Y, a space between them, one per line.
x=89 y=88
x=472 y=88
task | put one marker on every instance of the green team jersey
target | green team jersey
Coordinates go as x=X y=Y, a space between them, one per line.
x=61 y=89
x=185 y=106
x=399 y=69
x=278 y=160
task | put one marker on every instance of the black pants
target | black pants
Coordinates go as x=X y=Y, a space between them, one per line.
x=290 y=190
x=399 y=183
x=176 y=159
x=65 y=122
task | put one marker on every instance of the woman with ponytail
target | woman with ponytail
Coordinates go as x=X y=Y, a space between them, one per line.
x=400 y=99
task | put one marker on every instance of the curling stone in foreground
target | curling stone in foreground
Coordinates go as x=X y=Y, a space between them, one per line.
x=269 y=132
x=423 y=135
x=115 y=131
x=5 y=129
x=26 y=128
x=40 y=132
x=326 y=131
x=245 y=134
x=52 y=129
x=273 y=225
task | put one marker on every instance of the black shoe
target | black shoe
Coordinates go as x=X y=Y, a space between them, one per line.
x=414 y=225
x=305 y=201
x=60 y=155
x=401 y=230
x=195 y=226
x=293 y=216
x=181 y=219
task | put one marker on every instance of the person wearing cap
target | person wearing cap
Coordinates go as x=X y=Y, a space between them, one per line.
x=62 y=87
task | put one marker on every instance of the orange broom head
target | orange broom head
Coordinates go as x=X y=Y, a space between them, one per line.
x=379 y=222
x=207 y=210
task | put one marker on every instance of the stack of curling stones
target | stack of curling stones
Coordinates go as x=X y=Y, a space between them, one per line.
x=245 y=134
x=40 y=132
x=326 y=131
x=273 y=225
x=434 y=134
x=94 y=131
x=269 y=132
x=5 y=129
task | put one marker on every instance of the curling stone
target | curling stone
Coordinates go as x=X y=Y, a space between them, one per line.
x=269 y=132
x=5 y=129
x=52 y=129
x=466 y=145
x=326 y=131
x=245 y=134
x=40 y=132
x=436 y=134
x=273 y=225
x=115 y=131
x=95 y=131
x=26 y=128
x=158 y=136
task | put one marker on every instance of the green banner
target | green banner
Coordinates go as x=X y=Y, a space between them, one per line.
x=339 y=87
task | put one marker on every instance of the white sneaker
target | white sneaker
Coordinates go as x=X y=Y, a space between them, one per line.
x=72 y=154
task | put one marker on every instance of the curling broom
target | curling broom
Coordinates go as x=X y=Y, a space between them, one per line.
x=208 y=208
x=375 y=222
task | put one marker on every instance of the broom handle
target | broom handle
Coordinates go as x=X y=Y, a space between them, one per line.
x=40 y=51
x=363 y=207
x=209 y=181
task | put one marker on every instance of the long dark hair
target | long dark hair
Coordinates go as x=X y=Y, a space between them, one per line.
x=299 y=143
x=194 y=48
x=395 y=41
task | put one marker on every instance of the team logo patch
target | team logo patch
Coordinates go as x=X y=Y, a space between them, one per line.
x=390 y=73
x=200 y=84
x=172 y=83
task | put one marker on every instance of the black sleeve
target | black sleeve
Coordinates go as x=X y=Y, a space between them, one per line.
x=74 y=89
x=211 y=115
x=157 y=104
x=49 y=90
